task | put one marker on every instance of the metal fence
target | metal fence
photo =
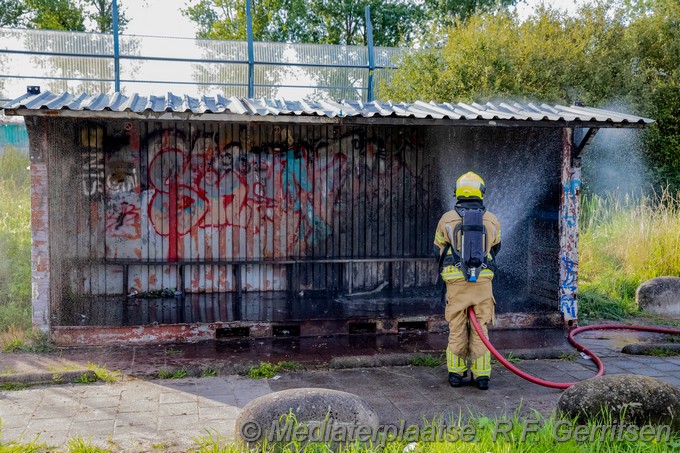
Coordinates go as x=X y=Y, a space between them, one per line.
x=85 y=62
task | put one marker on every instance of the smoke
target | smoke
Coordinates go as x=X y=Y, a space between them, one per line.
x=614 y=162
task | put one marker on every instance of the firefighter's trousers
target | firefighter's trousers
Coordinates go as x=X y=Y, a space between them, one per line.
x=464 y=343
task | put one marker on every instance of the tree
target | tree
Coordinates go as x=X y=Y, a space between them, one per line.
x=69 y=15
x=307 y=21
x=56 y=15
x=611 y=53
x=550 y=57
x=12 y=13
x=101 y=14
x=654 y=39
x=445 y=13
x=344 y=21
x=273 y=20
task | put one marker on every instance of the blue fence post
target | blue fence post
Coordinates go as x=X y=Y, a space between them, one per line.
x=251 y=53
x=371 y=56
x=116 y=49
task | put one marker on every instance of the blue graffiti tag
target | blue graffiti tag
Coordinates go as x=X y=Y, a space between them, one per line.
x=572 y=187
x=568 y=305
x=570 y=219
x=570 y=272
x=568 y=286
x=569 y=211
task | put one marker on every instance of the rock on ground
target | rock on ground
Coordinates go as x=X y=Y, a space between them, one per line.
x=323 y=412
x=660 y=296
x=626 y=397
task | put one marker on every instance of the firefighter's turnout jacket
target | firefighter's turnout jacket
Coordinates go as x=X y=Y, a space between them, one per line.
x=460 y=294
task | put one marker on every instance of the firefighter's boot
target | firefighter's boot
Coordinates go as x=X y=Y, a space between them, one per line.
x=457 y=368
x=456 y=380
x=481 y=370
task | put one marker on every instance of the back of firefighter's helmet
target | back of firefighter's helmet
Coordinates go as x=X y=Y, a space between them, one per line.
x=470 y=185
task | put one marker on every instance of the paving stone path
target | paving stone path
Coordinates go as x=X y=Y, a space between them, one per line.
x=138 y=415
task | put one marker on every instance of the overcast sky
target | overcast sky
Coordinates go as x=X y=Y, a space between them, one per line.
x=163 y=17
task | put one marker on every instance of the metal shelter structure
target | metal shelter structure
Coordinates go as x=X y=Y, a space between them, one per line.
x=174 y=217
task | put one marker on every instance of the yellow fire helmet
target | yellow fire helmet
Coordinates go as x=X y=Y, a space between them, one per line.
x=470 y=185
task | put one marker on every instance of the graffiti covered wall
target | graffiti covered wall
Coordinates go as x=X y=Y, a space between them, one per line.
x=214 y=209
x=181 y=205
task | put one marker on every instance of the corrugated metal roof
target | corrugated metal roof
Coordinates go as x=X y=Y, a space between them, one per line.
x=101 y=104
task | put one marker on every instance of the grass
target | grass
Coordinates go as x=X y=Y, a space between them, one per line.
x=428 y=360
x=530 y=434
x=661 y=352
x=13 y=386
x=533 y=433
x=671 y=339
x=15 y=248
x=569 y=357
x=267 y=370
x=103 y=374
x=512 y=358
x=80 y=445
x=86 y=378
x=169 y=374
x=17 y=340
x=624 y=241
x=208 y=372
x=20 y=447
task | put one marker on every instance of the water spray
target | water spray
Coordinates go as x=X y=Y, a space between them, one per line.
x=572 y=340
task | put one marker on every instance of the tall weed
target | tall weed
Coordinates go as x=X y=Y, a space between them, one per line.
x=15 y=241
x=625 y=240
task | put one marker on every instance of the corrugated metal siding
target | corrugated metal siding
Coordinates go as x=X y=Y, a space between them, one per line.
x=236 y=208
x=511 y=111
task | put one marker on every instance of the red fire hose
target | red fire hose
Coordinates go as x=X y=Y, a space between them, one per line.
x=579 y=347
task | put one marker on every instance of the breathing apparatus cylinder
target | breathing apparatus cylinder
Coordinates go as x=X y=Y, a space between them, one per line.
x=472 y=242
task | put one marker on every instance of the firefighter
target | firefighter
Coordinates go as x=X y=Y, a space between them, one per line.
x=468 y=278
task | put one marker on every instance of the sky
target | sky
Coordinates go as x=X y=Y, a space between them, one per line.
x=163 y=17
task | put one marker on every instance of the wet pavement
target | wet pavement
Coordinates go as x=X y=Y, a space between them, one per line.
x=167 y=414
x=233 y=356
